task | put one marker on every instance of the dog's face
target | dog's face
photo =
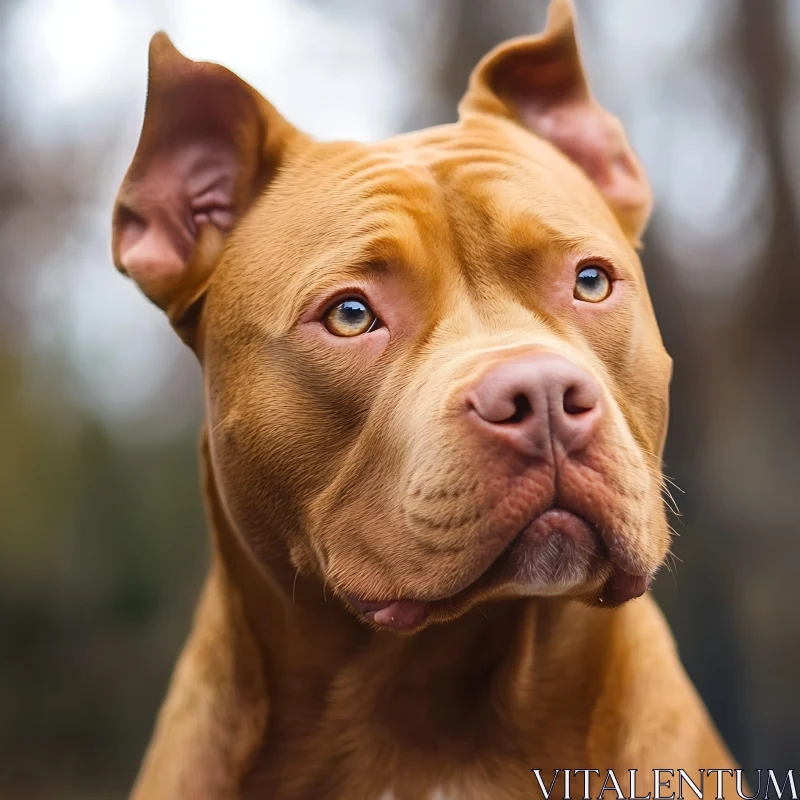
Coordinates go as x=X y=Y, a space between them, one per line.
x=433 y=373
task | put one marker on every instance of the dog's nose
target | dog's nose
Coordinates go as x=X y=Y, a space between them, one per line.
x=535 y=401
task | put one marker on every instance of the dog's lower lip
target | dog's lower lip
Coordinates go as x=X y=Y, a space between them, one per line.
x=399 y=615
x=622 y=586
x=562 y=520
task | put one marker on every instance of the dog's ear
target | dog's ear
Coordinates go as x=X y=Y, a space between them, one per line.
x=539 y=81
x=209 y=144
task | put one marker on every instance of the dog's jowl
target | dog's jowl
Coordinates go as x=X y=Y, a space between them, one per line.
x=436 y=401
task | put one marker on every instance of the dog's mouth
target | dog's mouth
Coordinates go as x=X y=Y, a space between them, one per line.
x=554 y=553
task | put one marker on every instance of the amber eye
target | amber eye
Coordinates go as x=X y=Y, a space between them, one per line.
x=592 y=285
x=350 y=317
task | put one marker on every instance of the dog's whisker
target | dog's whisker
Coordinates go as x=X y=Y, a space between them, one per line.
x=671 y=501
x=672 y=530
x=671 y=506
x=672 y=567
x=672 y=483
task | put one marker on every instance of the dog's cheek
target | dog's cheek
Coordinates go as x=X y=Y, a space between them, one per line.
x=649 y=398
x=340 y=379
x=282 y=416
x=643 y=377
x=255 y=471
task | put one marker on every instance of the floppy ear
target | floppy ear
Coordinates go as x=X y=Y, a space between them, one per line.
x=209 y=144
x=539 y=82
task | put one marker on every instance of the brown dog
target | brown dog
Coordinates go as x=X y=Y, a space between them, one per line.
x=436 y=402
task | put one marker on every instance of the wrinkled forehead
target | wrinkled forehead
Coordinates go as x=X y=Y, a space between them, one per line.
x=448 y=203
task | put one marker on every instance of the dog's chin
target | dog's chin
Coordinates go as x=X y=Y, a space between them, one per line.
x=555 y=554
x=558 y=554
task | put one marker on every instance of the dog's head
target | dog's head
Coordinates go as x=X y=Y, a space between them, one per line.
x=432 y=369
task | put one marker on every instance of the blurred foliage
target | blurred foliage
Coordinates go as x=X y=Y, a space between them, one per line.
x=100 y=559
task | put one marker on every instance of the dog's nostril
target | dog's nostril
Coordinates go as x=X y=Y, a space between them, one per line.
x=522 y=409
x=575 y=403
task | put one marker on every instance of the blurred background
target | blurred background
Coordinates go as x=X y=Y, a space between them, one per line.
x=102 y=542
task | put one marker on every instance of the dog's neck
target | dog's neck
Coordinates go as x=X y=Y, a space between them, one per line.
x=321 y=668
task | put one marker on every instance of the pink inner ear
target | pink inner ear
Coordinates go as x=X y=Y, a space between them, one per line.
x=149 y=257
x=594 y=139
x=198 y=163
x=190 y=185
x=210 y=187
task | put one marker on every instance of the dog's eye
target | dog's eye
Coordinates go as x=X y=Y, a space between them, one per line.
x=350 y=317
x=592 y=285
